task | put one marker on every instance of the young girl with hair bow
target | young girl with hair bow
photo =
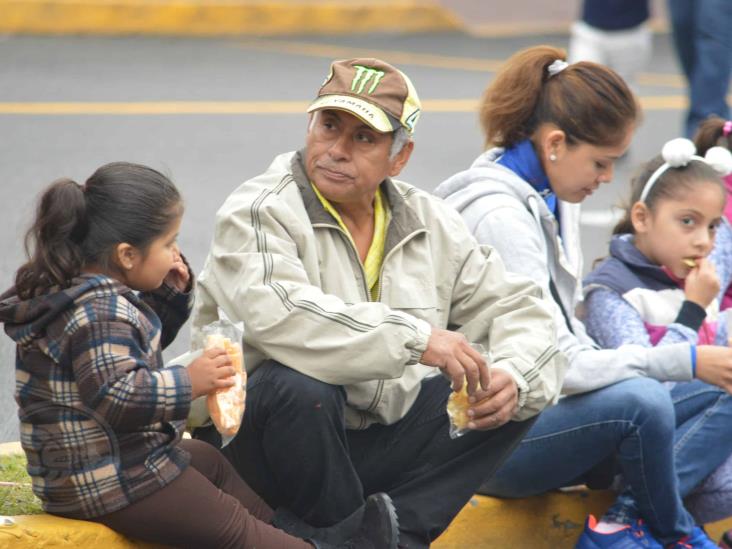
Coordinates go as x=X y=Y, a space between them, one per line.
x=660 y=264
x=660 y=285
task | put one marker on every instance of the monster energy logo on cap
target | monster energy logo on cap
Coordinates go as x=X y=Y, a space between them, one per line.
x=363 y=75
x=374 y=91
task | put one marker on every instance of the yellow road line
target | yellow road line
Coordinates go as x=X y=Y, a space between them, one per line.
x=649 y=103
x=396 y=57
x=198 y=107
x=477 y=64
x=531 y=28
x=534 y=28
x=658 y=79
x=664 y=102
x=156 y=107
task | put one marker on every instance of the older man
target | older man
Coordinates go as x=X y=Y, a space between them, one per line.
x=356 y=291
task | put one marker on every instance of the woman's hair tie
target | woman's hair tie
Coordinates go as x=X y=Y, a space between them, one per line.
x=556 y=67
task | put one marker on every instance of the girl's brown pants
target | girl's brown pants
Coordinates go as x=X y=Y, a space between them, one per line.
x=207 y=506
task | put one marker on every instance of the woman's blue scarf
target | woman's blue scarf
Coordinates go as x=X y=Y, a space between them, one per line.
x=523 y=161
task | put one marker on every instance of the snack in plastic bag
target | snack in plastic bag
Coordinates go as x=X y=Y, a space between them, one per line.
x=226 y=406
x=457 y=410
x=458 y=405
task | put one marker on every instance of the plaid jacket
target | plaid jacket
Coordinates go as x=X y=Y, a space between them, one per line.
x=100 y=416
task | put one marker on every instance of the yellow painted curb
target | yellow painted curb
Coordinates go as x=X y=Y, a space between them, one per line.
x=222 y=17
x=42 y=531
x=550 y=521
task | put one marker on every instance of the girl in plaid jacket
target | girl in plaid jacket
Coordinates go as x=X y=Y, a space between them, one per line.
x=105 y=289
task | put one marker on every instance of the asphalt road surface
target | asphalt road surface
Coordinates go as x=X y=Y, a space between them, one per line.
x=212 y=113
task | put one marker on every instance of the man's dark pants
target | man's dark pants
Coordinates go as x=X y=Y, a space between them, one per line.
x=294 y=450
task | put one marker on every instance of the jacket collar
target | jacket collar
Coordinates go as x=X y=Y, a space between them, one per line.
x=623 y=249
x=523 y=160
x=403 y=222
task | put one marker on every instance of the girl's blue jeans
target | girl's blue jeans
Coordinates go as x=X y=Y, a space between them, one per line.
x=636 y=420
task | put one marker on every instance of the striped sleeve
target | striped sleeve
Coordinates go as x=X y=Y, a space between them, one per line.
x=172 y=306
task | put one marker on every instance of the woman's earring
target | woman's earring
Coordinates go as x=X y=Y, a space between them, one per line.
x=553 y=157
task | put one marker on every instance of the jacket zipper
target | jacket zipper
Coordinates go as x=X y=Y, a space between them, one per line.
x=380 y=385
x=399 y=245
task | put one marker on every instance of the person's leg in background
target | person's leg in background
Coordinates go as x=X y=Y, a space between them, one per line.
x=713 y=65
x=629 y=51
x=586 y=43
x=682 y=16
x=702 y=35
x=626 y=51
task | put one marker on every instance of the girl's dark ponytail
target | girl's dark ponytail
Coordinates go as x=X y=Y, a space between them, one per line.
x=53 y=243
x=79 y=227
x=625 y=225
x=713 y=132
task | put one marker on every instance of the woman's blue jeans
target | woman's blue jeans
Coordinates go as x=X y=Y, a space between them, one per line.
x=634 y=419
x=702 y=439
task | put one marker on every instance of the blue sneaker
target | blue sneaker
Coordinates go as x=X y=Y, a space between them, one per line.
x=698 y=539
x=630 y=537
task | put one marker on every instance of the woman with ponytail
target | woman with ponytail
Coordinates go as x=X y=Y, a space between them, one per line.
x=553 y=133
x=104 y=290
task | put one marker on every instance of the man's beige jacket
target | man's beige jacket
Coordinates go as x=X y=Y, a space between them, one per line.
x=281 y=264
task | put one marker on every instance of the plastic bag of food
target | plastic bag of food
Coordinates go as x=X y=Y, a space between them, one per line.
x=457 y=402
x=226 y=406
x=457 y=411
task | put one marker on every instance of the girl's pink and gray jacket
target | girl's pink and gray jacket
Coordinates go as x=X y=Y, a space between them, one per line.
x=629 y=300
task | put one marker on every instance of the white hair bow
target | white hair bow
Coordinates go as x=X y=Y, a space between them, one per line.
x=556 y=67
x=679 y=152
